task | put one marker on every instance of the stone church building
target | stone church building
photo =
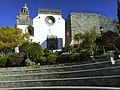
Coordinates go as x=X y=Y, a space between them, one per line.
x=47 y=28
x=53 y=32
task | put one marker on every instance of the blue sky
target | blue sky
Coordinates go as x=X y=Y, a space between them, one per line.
x=9 y=8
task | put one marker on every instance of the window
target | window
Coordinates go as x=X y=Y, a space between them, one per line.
x=50 y=20
x=31 y=30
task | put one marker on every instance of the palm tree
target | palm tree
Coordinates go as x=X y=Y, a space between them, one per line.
x=77 y=37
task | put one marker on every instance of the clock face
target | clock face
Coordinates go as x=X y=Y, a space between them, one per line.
x=50 y=20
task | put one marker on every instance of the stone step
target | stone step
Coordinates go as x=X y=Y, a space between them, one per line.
x=68 y=74
x=63 y=88
x=56 y=65
x=105 y=81
x=64 y=68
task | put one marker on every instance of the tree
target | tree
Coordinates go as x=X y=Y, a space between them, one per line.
x=11 y=37
x=118 y=15
x=109 y=38
x=78 y=37
x=118 y=43
x=88 y=42
x=118 y=10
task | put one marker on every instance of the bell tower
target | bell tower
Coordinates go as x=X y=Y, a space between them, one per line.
x=24 y=22
x=23 y=18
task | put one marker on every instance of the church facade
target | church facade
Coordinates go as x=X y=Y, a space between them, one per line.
x=53 y=32
x=47 y=28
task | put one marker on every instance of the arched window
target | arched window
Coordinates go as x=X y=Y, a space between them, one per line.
x=30 y=30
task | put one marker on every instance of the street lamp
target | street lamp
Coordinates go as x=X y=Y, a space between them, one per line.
x=101 y=30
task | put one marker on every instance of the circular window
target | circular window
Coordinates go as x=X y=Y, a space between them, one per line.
x=50 y=20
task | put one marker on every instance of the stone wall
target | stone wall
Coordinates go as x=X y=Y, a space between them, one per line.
x=49 y=11
x=80 y=22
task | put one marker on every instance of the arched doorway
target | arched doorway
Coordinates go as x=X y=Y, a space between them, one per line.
x=52 y=47
x=52 y=43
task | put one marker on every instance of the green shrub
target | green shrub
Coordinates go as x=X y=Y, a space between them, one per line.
x=28 y=62
x=33 y=51
x=3 y=60
x=76 y=57
x=47 y=52
x=42 y=60
x=69 y=58
x=65 y=58
x=17 y=59
x=60 y=59
x=84 y=55
x=51 y=58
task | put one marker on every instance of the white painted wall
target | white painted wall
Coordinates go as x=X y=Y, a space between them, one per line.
x=24 y=30
x=23 y=27
x=42 y=29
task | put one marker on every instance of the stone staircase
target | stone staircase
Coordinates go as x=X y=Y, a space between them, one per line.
x=95 y=75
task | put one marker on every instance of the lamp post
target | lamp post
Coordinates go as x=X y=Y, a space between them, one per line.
x=101 y=30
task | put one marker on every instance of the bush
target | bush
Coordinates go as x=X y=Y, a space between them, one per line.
x=77 y=57
x=17 y=59
x=28 y=62
x=60 y=59
x=65 y=58
x=3 y=60
x=51 y=58
x=33 y=51
x=84 y=55
x=69 y=58
x=42 y=60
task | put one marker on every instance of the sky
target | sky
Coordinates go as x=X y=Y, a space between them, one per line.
x=9 y=9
